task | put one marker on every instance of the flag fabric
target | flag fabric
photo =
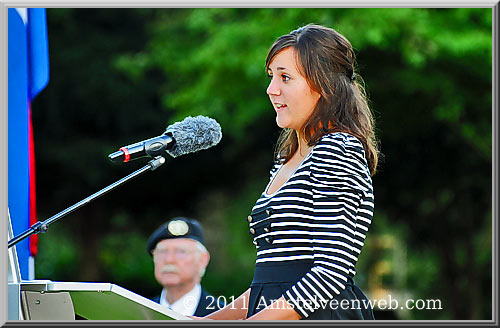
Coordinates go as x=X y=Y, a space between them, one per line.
x=28 y=74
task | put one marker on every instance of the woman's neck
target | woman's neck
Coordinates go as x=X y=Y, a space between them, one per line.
x=303 y=148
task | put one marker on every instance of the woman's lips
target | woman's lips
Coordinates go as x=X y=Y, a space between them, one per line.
x=279 y=107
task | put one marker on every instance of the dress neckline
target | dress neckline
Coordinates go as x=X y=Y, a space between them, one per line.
x=289 y=178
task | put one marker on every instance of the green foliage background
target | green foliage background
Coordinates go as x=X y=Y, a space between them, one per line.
x=123 y=75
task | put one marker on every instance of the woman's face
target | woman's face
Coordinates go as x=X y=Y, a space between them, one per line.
x=292 y=98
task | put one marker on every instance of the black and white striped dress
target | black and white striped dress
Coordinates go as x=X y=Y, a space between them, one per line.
x=310 y=232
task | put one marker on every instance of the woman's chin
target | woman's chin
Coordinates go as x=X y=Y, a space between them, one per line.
x=281 y=122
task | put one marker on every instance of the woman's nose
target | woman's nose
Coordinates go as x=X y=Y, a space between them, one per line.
x=273 y=88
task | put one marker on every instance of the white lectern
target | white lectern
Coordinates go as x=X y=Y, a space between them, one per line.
x=52 y=300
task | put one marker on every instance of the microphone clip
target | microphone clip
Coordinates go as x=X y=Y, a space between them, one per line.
x=148 y=148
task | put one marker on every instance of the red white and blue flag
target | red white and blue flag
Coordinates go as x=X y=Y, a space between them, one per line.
x=28 y=74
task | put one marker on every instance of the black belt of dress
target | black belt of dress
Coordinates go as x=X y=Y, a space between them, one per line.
x=291 y=271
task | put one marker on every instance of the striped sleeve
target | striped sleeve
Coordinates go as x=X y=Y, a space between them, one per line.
x=341 y=187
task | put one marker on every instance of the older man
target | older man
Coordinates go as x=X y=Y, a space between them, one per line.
x=180 y=259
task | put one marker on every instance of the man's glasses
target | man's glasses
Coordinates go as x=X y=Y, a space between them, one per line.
x=178 y=253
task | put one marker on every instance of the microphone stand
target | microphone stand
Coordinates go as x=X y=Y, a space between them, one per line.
x=44 y=226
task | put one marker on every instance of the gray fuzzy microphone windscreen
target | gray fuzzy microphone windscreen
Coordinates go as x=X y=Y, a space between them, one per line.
x=193 y=134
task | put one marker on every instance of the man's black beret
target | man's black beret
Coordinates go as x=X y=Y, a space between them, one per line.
x=178 y=227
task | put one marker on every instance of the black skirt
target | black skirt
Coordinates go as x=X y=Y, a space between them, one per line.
x=271 y=281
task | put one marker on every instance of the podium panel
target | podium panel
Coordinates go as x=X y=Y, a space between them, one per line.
x=47 y=306
x=93 y=301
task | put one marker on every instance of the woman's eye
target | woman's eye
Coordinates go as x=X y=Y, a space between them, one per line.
x=269 y=75
x=285 y=78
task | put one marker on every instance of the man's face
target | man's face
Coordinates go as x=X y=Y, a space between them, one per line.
x=178 y=261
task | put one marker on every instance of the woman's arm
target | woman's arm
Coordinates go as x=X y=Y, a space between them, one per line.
x=278 y=310
x=236 y=310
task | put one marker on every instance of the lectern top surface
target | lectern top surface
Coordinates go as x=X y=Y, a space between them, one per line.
x=105 y=301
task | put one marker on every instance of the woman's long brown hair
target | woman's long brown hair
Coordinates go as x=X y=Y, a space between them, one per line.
x=327 y=61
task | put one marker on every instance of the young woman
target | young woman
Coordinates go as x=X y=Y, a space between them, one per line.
x=310 y=222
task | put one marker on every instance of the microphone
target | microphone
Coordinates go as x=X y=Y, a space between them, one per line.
x=188 y=136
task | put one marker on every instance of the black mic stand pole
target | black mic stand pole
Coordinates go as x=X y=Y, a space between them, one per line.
x=44 y=226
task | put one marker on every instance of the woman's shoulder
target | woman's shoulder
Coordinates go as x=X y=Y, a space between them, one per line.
x=339 y=157
x=339 y=146
x=341 y=141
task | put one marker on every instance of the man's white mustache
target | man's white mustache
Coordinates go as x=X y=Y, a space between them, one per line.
x=169 y=268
